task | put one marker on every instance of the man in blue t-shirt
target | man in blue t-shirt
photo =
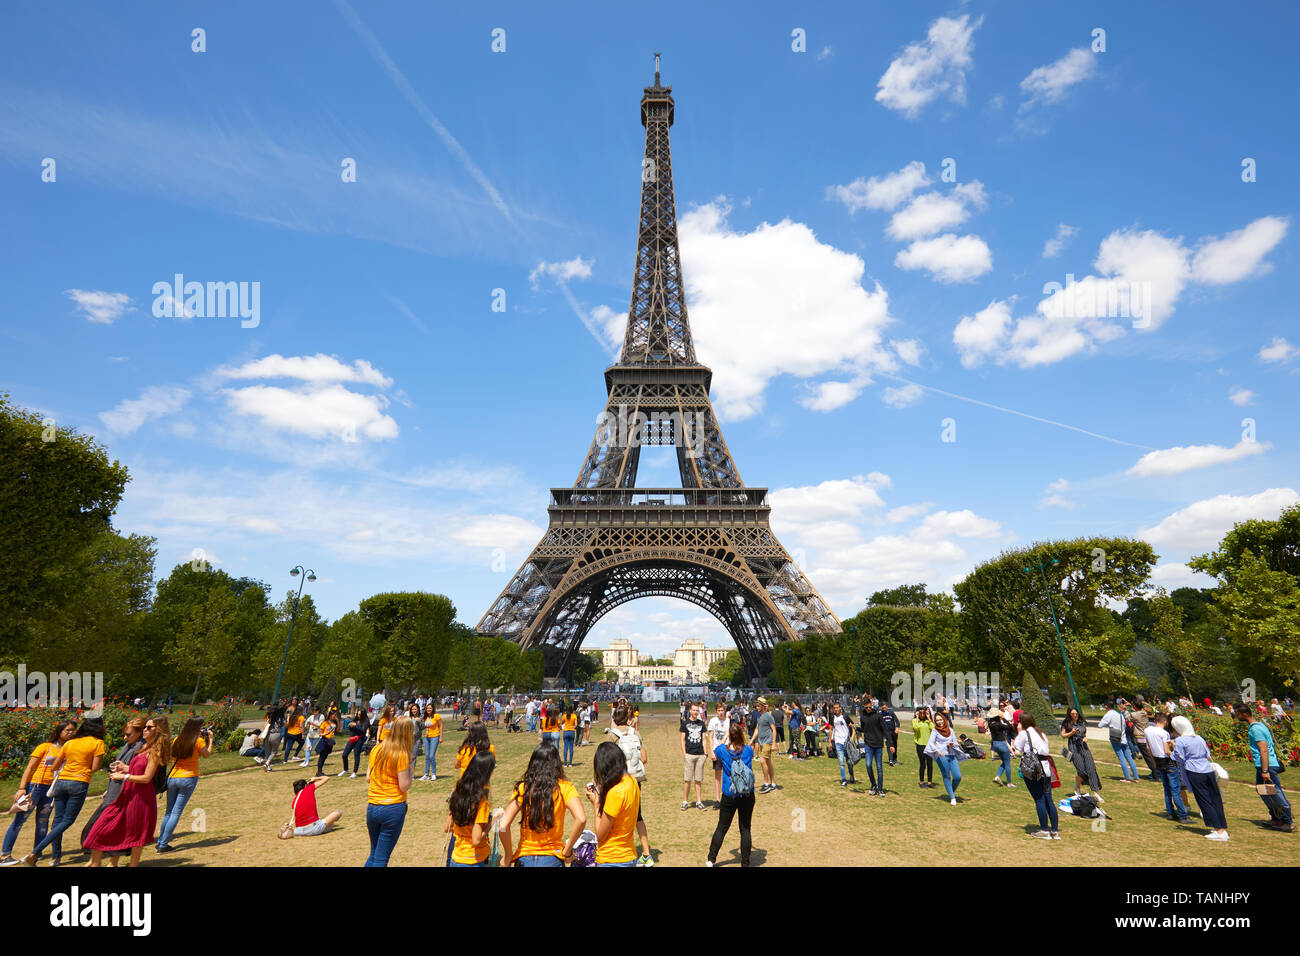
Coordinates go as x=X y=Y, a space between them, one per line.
x=1263 y=752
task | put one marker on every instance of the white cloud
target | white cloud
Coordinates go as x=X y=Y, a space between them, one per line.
x=901 y=397
x=318 y=369
x=154 y=402
x=777 y=277
x=330 y=411
x=1240 y=254
x=1052 y=247
x=979 y=336
x=962 y=524
x=1171 y=575
x=507 y=532
x=101 y=307
x=909 y=350
x=1175 y=461
x=1241 y=396
x=840 y=498
x=948 y=258
x=881 y=192
x=907 y=512
x=1049 y=83
x=1201 y=525
x=934 y=212
x=575 y=268
x=1279 y=350
x=930 y=69
x=1054 y=495
x=828 y=396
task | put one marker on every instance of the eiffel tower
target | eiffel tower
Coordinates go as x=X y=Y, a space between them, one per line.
x=707 y=542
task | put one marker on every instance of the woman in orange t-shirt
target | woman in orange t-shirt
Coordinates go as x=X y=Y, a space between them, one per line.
x=80 y=757
x=570 y=724
x=540 y=801
x=476 y=741
x=35 y=786
x=432 y=737
x=471 y=813
x=390 y=778
x=193 y=742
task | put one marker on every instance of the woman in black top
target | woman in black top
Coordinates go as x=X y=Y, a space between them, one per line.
x=1074 y=729
x=1000 y=735
x=358 y=731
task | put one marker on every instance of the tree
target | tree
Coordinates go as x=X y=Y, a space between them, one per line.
x=905 y=595
x=1033 y=701
x=205 y=636
x=414 y=630
x=728 y=670
x=58 y=492
x=308 y=634
x=349 y=653
x=586 y=667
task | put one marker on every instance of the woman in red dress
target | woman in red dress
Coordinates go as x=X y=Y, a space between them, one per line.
x=128 y=822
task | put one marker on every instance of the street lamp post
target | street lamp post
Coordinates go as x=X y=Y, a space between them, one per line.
x=1051 y=605
x=308 y=575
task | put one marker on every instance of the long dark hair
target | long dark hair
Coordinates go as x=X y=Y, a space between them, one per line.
x=540 y=781
x=183 y=748
x=609 y=766
x=476 y=738
x=471 y=789
x=91 y=727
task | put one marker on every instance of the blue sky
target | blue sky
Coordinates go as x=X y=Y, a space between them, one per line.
x=384 y=425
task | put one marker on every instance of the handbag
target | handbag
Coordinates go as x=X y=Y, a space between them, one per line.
x=851 y=753
x=1056 y=777
x=286 y=831
x=1031 y=767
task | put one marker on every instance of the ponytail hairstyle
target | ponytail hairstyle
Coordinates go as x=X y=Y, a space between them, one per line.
x=472 y=788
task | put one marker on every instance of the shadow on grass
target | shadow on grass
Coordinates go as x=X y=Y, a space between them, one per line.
x=756 y=858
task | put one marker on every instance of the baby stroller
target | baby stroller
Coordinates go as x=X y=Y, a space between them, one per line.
x=972 y=749
x=516 y=724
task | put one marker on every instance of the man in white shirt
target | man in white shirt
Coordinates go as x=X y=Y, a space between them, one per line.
x=1113 y=721
x=1159 y=743
x=530 y=712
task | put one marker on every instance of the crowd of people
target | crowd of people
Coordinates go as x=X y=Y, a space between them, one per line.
x=740 y=742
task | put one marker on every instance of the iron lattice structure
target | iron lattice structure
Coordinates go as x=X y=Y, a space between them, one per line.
x=707 y=542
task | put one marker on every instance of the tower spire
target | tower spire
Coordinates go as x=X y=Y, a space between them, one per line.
x=656 y=69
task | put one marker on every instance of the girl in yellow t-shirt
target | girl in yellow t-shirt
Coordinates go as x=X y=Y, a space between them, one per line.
x=570 y=724
x=432 y=737
x=385 y=723
x=540 y=801
x=476 y=740
x=80 y=757
x=34 y=785
x=389 y=777
x=471 y=813
x=295 y=724
x=325 y=742
x=617 y=802
x=194 y=741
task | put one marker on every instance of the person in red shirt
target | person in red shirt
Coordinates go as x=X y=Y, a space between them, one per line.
x=307 y=820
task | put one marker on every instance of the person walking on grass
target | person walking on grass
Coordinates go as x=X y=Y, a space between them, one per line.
x=191 y=743
x=947 y=753
x=891 y=734
x=1192 y=756
x=1263 y=753
x=764 y=739
x=540 y=801
x=921 y=727
x=1075 y=729
x=470 y=812
x=325 y=740
x=1000 y=734
x=1161 y=746
x=874 y=733
x=76 y=761
x=389 y=779
x=634 y=759
x=737 y=759
x=841 y=733
x=313 y=732
x=1140 y=715
x=692 y=735
x=432 y=737
x=128 y=822
x=295 y=725
x=33 y=792
x=616 y=799
x=358 y=732
x=1031 y=740
x=1116 y=725
x=719 y=727
x=271 y=736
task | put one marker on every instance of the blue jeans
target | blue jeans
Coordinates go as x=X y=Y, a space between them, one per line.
x=1041 y=791
x=569 y=737
x=546 y=860
x=179 y=791
x=1127 y=765
x=1278 y=806
x=532 y=723
x=628 y=863
x=384 y=822
x=430 y=756
x=839 y=752
x=1172 y=781
x=41 y=806
x=554 y=740
x=69 y=795
x=1003 y=751
x=950 y=767
x=873 y=757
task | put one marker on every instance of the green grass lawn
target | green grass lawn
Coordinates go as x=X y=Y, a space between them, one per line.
x=233 y=817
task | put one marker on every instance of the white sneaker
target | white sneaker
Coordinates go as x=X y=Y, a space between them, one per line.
x=425 y=777
x=1218 y=837
x=1041 y=835
x=699 y=805
x=433 y=776
x=341 y=773
x=352 y=776
x=1011 y=786
x=708 y=863
x=685 y=804
x=258 y=759
x=953 y=801
x=1055 y=835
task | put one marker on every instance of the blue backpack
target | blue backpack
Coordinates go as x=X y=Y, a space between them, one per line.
x=742 y=776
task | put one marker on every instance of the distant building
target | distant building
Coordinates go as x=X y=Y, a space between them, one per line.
x=690 y=662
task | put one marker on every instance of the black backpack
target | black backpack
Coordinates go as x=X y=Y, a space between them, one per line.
x=1084 y=806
